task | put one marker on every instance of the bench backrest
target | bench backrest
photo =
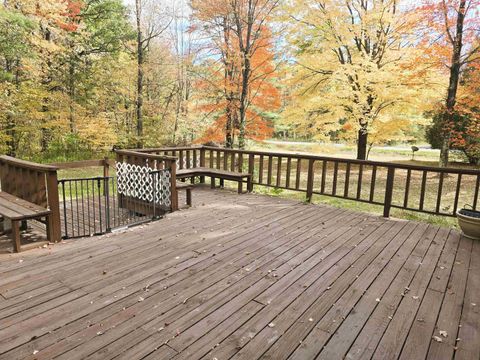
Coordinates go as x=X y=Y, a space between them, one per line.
x=25 y=179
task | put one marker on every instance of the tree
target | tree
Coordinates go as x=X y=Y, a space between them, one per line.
x=150 y=25
x=464 y=126
x=353 y=61
x=95 y=29
x=240 y=68
x=183 y=43
x=14 y=30
x=453 y=29
x=250 y=18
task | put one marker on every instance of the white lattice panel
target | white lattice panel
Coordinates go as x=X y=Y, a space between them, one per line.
x=139 y=182
x=184 y=162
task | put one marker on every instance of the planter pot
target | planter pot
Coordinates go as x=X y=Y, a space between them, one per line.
x=469 y=221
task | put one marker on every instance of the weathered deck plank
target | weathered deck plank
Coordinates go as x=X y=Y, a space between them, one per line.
x=246 y=277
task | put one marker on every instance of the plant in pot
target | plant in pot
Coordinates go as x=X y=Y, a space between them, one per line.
x=469 y=221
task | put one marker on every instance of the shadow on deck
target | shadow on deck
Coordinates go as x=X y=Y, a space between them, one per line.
x=247 y=277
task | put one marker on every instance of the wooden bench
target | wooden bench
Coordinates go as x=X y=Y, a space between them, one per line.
x=18 y=210
x=217 y=173
x=188 y=189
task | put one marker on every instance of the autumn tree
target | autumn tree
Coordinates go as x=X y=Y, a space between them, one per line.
x=464 y=125
x=95 y=29
x=354 y=66
x=26 y=31
x=241 y=67
x=250 y=18
x=151 y=21
x=184 y=55
x=451 y=38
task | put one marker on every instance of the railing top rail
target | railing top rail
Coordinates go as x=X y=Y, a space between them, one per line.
x=449 y=170
x=93 y=178
x=27 y=164
x=81 y=164
x=352 y=161
x=170 y=148
x=145 y=155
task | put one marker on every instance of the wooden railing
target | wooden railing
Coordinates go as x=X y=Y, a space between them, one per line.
x=105 y=163
x=432 y=190
x=35 y=183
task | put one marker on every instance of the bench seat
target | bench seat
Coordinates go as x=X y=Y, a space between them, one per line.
x=188 y=189
x=18 y=210
x=217 y=173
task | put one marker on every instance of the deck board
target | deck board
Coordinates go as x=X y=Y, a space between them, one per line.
x=246 y=277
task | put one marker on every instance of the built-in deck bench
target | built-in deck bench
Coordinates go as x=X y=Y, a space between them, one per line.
x=188 y=189
x=17 y=210
x=217 y=173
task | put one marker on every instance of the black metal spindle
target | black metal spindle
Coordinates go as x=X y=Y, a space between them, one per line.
x=71 y=207
x=88 y=207
x=83 y=208
x=99 y=188
x=64 y=208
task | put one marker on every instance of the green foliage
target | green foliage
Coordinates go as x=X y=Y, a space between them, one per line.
x=15 y=30
x=463 y=132
x=107 y=28
x=434 y=132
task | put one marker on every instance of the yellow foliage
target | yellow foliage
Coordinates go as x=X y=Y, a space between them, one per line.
x=356 y=67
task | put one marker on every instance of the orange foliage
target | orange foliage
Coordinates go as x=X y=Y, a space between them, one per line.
x=439 y=30
x=72 y=13
x=464 y=130
x=224 y=75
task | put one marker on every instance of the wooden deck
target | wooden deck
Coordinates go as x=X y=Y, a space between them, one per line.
x=247 y=277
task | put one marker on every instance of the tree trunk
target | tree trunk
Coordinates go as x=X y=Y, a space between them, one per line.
x=10 y=129
x=455 y=69
x=228 y=83
x=362 y=144
x=140 y=61
x=71 y=94
x=243 y=101
x=228 y=126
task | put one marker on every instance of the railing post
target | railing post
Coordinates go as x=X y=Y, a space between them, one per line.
x=202 y=163
x=54 y=224
x=251 y=169
x=310 y=180
x=106 y=192
x=106 y=167
x=106 y=172
x=389 y=192
x=173 y=185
